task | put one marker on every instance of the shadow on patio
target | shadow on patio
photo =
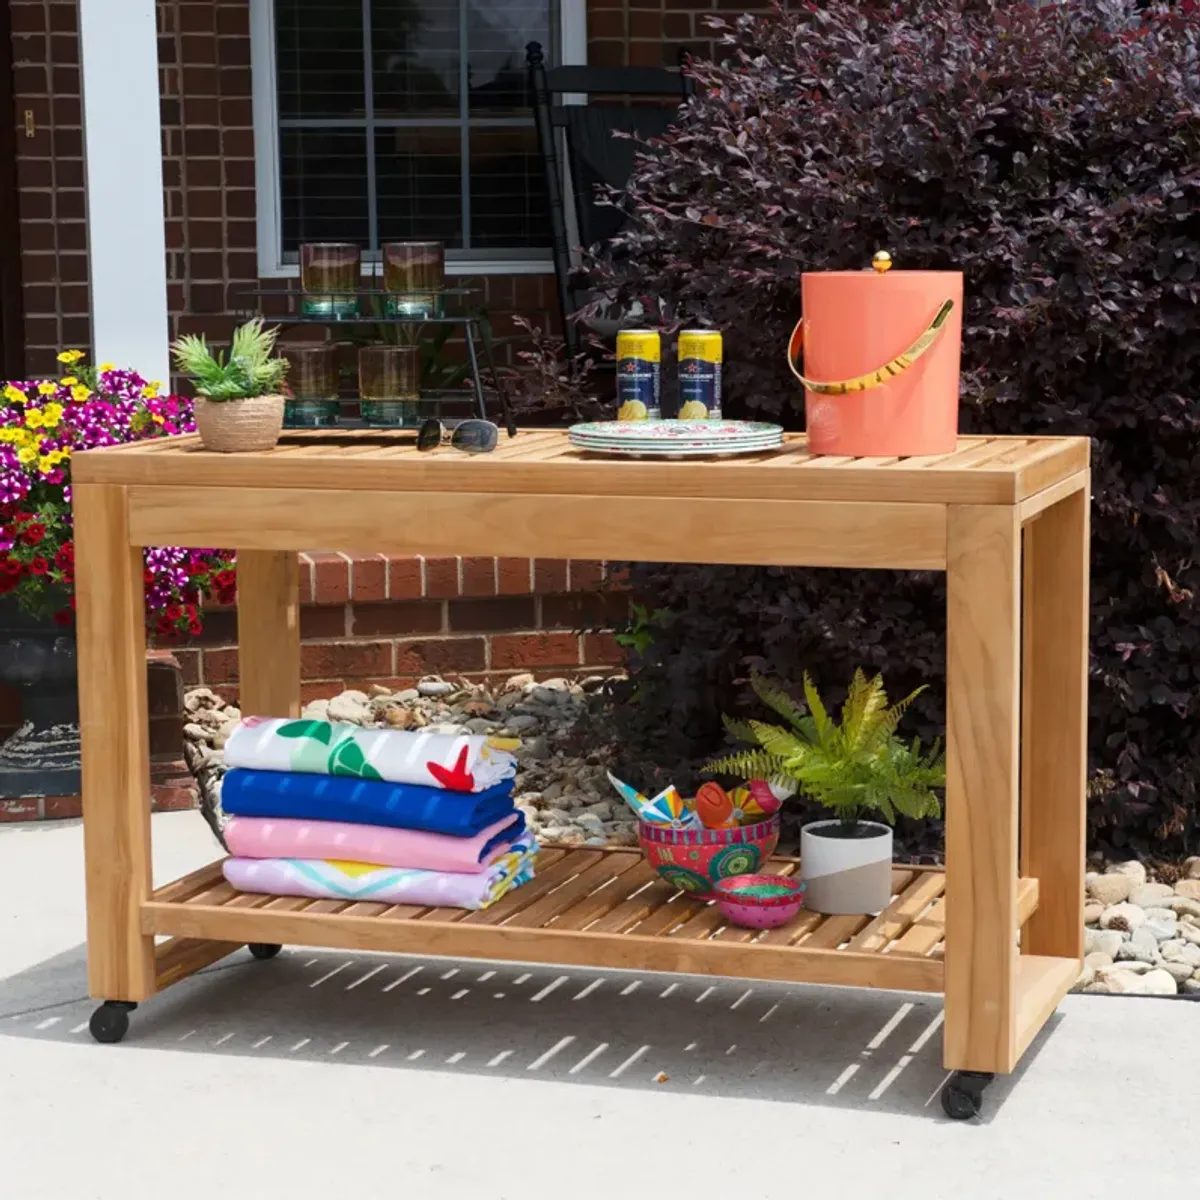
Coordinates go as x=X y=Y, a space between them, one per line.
x=872 y=1051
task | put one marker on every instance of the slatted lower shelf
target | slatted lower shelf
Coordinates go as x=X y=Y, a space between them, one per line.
x=588 y=907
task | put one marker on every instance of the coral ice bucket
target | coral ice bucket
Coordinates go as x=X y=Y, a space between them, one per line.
x=878 y=355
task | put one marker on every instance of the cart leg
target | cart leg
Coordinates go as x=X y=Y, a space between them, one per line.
x=114 y=733
x=983 y=705
x=1054 y=742
x=268 y=633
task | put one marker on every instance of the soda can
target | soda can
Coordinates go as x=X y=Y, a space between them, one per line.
x=701 y=352
x=639 y=363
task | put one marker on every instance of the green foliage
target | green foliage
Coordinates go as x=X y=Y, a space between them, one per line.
x=639 y=637
x=249 y=370
x=855 y=766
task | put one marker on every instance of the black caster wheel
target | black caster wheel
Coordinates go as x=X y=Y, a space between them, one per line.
x=110 y=1022
x=962 y=1095
x=264 y=950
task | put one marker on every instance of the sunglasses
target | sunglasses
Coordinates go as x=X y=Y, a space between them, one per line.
x=472 y=437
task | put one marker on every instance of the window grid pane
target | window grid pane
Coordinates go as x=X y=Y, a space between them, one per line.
x=436 y=90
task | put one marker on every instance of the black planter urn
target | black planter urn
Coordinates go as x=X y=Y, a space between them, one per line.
x=38 y=657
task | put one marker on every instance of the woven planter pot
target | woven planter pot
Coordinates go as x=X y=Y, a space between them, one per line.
x=230 y=426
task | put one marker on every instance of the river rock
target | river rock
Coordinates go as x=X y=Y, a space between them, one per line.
x=316 y=710
x=1103 y=941
x=435 y=687
x=1190 y=888
x=1122 y=979
x=522 y=723
x=1109 y=889
x=1141 y=947
x=1161 y=922
x=1189 y=933
x=1191 y=867
x=1180 y=972
x=1126 y=917
x=518 y=683
x=1182 y=906
x=1133 y=869
x=1092 y=911
x=1191 y=987
x=1184 y=952
x=349 y=708
x=1151 y=895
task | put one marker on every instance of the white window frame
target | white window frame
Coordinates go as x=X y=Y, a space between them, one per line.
x=573 y=31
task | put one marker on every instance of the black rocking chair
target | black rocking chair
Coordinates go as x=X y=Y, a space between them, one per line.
x=595 y=157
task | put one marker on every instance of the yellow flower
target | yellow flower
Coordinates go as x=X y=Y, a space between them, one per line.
x=45 y=465
x=26 y=454
x=14 y=395
x=150 y=391
x=80 y=392
x=57 y=456
x=52 y=414
x=158 y=418
x=68 y=381
x=70 y=356
x=107 y=367
x=34 y=418
x=46 y=388
x=63 y=454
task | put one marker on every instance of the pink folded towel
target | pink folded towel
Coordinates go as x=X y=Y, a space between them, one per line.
x=269 y=837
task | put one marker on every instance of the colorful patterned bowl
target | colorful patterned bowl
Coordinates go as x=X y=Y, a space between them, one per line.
x=760 y=901
x=695 y=859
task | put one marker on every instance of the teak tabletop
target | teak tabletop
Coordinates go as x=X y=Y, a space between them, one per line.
x=1005 y=518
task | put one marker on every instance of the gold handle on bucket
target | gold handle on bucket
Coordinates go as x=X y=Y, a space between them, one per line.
x=873 y=379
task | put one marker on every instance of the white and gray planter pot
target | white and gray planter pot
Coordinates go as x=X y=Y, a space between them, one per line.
x=846 y=875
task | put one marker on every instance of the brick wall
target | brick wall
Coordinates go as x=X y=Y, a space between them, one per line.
x=651 y=33
x=369 y=619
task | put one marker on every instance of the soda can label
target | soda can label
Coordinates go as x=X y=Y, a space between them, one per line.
x=639 y=359
x=700 y=361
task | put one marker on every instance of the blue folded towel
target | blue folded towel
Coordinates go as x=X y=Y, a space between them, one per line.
x=247 y=793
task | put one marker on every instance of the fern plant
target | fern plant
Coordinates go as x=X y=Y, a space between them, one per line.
x=854 y=766
x=249 y=370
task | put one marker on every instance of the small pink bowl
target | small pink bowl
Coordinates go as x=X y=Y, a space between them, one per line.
x=759 y=901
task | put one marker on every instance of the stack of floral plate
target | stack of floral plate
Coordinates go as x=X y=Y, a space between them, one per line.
x=676 y=439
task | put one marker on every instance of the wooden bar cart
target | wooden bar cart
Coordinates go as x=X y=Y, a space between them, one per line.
x=999 y=931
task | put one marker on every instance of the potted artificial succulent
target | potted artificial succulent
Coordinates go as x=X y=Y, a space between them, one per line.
x=854 y=767
x=239 y=400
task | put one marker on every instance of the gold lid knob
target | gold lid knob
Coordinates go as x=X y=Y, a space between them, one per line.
x=882 y=262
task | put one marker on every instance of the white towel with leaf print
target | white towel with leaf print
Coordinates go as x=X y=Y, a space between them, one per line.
x=458 y=763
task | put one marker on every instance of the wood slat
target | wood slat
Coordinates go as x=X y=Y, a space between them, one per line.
x=330 y=907
x=609 y=867
x=219 y=893
x=925 y=932
x=637 y=908
x=604 y=901
x=793 y=931
x=543 y=882
x=901 y=913
x=249 y=900
x=974 y=456
x=198 y=881
x=679 y=909
x=367 y=908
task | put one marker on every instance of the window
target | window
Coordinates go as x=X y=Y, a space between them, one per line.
x=400 y=120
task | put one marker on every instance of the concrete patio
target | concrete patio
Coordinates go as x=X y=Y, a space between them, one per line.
x=325 y=1073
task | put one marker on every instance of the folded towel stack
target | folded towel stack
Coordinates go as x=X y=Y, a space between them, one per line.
x=337 y=812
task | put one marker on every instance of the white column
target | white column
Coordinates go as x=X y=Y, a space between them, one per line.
x=118 y=50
